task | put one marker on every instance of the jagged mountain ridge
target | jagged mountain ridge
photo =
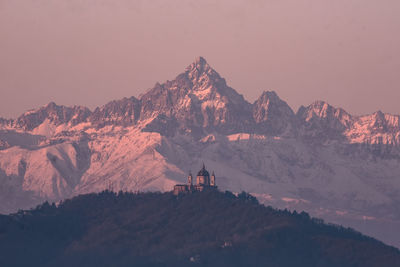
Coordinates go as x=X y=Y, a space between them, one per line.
x=321 y=159
x=55 y=114
x=199 y=101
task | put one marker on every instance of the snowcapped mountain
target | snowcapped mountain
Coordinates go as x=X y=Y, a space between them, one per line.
x=334 y=165
x=198 y=101
x=124 y=112
x=52 y=114
x=321 y=120
x=272 y=115
x=324 y=121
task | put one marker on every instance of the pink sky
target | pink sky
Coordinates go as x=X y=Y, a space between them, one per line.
x=89 y=52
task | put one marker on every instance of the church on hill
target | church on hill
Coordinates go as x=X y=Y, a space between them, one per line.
x=204 y=182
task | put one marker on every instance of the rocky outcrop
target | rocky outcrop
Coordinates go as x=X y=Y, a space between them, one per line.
x=123 y=112
x=199 y=100
x=272 y=115
x=323 y=121
x=55 y=115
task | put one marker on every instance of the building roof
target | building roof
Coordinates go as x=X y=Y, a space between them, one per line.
x=203 y=171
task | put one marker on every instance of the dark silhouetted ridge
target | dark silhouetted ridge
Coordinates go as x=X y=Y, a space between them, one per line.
x=200 y=229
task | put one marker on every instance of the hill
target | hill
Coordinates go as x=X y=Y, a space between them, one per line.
x=200 y=229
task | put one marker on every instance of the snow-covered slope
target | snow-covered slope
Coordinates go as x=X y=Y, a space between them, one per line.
x=323 y=160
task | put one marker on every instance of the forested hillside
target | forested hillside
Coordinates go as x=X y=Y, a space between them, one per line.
x=160 y=229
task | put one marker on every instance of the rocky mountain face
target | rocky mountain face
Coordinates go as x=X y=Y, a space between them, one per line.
x=324 y=121
x=200 y=102
x=55 y=115
x=272 y=115
x=197 y=101
x=334 y=165
x=123 y=112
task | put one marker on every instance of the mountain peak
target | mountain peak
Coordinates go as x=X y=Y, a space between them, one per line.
x=269 y=95
x=51 y=104
x=199 y=68
x=198 y=63
x=272 y=114
x=197 y=99
x=323 y=120
x=200 y=60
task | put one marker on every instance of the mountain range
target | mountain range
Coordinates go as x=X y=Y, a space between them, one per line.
x=321 y=159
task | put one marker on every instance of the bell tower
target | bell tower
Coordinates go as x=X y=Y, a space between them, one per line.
x=190 y=179
x=212 y=181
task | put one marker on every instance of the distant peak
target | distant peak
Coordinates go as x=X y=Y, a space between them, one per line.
x=378 y=113
x=323 y=106
x=200 y=60
x=269 y=94
x=199 y=64
x=200 y=68
x=51 y=104
x=319 y=103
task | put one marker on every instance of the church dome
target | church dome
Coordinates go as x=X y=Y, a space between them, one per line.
x=203 y=172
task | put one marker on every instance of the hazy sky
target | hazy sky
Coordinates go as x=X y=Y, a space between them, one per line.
x=89 y=52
